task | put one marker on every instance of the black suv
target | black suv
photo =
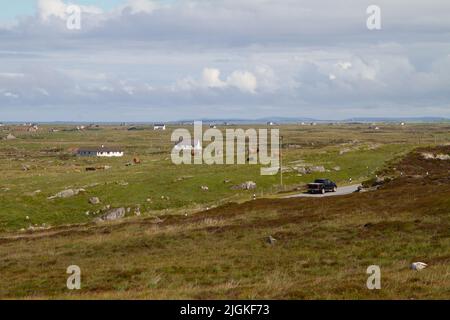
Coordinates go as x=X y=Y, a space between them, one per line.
x=322 y=186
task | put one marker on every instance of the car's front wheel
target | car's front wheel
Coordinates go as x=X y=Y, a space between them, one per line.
x=323 y=191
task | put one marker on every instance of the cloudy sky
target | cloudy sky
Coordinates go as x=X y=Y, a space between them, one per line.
x=148 y=60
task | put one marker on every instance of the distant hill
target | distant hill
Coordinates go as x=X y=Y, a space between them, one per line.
x=286 y=120
x=398 y=119
x=263 y=120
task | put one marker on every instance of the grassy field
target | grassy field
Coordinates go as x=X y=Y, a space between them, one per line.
x=323 y=245
x=158 y=185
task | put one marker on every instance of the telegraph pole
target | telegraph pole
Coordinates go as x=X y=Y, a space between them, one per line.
x=281 y=161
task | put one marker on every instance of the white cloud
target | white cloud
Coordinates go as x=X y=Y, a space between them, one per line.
x=344 y=65
x=11 y=95
x=243 y=80
x=58 y=9
x=43 y=91
x=145 y=6
x=268 y=56
x=48 y=8
x=211 y=78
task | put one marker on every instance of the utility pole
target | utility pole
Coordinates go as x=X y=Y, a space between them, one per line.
x=281 y=161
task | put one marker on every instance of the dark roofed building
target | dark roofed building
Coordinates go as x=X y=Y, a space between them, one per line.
x=100 y=152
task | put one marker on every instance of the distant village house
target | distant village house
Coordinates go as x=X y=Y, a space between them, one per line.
x=159 y=126
x=28 y=127
x=100 y=152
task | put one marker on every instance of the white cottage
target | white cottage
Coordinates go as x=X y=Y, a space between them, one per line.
x=159 y=126
x=100 y=152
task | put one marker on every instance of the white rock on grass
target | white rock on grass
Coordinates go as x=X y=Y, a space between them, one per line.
x=248 y=185
x=113 y=214
x=417 y=266
x=94 y=200
x=67 y=193
x=271 y=240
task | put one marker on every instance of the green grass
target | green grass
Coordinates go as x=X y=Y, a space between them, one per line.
x=322 y=251
x=53 y=169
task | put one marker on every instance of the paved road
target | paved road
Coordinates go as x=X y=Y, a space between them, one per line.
x=340 y=192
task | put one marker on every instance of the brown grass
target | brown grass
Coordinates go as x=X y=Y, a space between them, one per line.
x=323 y=248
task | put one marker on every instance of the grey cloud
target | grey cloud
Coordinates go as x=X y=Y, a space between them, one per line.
x=312 y=58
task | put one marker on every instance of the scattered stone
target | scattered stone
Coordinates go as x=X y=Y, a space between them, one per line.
x=301 y=170
x=316 y=169
x=204 y=188
x=226 y=181
x=37 y=227
x=417 y=266
x=183 y=178
x=149 y=200
x=443 y=156
x=428 y=156
x=67 y=193
x=113 y=214
x=271 y=240
x=345 y=150
x=137 y=211
x=10 y=137
x=94 y=200
x=337 y=168
x=128 y=210
x=32 y=194
x=157 y=220
x=248 y=185
x=25 y=167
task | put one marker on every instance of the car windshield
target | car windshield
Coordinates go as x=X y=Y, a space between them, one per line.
x=320 y=181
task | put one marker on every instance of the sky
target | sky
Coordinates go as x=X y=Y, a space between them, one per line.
x=149 y=60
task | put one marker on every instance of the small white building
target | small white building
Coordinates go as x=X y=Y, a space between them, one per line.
x=100 y=152
x=194 y=145
x=159 y=126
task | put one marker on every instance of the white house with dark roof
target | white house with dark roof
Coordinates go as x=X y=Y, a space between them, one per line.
x=159 y=126
x=100 y=152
